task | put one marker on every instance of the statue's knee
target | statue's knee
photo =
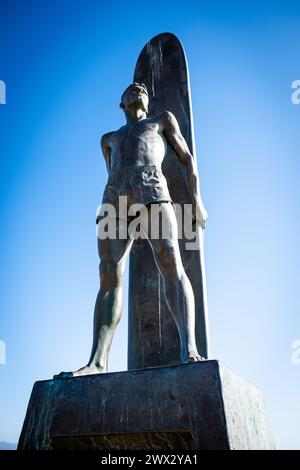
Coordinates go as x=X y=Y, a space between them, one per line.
x=172 y=271
x=110 y=274
x=169 y=265
x=115 y=319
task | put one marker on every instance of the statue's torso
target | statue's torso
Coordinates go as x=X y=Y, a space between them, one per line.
x=140 y=143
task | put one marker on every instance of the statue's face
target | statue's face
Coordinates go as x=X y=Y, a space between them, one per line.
x=135 y=94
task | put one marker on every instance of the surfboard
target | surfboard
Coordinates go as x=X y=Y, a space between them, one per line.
x=153 y=338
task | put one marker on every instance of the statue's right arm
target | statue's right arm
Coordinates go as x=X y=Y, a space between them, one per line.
x=106 y=149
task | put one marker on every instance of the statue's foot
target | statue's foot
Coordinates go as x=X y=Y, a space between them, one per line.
x=86 y=370
x=194 y=356
x=63 y=375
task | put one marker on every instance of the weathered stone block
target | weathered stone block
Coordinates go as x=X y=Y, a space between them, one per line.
x=191 y=406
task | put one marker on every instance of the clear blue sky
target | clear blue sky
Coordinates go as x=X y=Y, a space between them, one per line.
x=65 y=64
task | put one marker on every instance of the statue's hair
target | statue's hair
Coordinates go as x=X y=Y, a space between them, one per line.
x=142 y=85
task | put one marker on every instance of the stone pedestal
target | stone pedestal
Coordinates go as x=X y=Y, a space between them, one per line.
x=191 y=406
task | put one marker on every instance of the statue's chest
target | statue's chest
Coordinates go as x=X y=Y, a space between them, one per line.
x=132 y=135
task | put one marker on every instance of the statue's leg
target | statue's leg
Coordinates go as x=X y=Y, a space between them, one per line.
x=177 y=287
x=108 y=308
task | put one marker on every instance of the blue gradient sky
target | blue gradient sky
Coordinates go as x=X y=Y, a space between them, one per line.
x=65 y=64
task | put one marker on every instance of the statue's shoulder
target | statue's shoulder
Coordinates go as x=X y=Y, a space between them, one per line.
x=168 y=115
x=105 y=138
x=166 y=118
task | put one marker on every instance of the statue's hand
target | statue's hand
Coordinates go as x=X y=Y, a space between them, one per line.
x=199 y=214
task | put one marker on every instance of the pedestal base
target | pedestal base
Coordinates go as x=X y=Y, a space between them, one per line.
x=200 y=405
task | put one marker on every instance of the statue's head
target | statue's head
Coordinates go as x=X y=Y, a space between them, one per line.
x=136 y=95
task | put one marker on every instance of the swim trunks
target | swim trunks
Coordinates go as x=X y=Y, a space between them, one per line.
x=141 y=184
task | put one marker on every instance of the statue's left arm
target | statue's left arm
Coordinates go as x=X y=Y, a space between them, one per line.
x=176 y=140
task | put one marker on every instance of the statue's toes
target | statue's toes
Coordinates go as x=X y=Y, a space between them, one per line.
x=200 y=358
x=63 y=375
x=193 y=358
x=196 y=358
